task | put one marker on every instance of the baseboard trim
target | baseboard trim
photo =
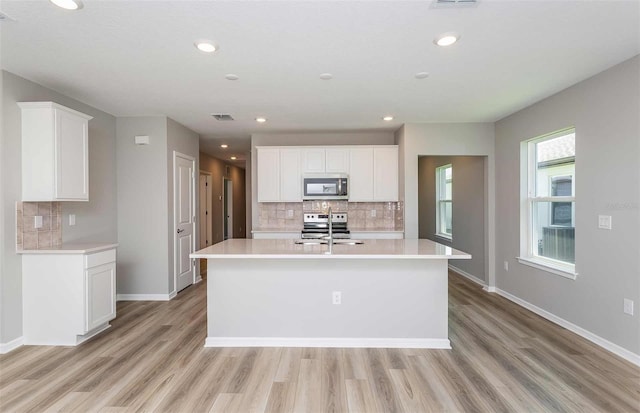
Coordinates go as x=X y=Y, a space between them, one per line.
x=604 y=343
x=328 y=342
x=11 y=345
x=145 y=297
x=467 y=275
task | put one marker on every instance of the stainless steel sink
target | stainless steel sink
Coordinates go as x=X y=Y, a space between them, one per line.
x=341 y=241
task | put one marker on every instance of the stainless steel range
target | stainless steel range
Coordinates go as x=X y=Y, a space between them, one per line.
x=317 y=225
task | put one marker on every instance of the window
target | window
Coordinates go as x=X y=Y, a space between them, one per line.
x=444 y=203
x=548 y=210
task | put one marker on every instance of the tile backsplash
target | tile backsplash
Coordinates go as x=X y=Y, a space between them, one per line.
x=28 y=237
x=388 y=216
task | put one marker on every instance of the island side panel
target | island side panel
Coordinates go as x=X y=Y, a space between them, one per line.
x=385 y=303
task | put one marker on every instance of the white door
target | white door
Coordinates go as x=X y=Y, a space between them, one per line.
x=290 y=179
x=72 y=154
x=206 y=229
x=361 y=175
x=268 y=174
x=183 y=213
x=385 y=174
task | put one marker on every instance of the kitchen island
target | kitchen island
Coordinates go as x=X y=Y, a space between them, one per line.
x=383 y=293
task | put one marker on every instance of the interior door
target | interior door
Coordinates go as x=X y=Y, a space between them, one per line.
x=183 y=212
x=206 y=228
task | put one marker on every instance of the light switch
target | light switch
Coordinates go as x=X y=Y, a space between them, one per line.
x=37 y=222
x=604 y=221
x=72 y=219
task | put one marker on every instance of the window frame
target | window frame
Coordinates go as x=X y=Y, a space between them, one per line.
x=440 y=177
x=528 y=172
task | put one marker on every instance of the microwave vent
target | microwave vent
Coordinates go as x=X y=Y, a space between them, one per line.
x=453 y=3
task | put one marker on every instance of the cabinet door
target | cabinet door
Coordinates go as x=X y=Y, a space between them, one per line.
x=385 y=175
x=313 y=160
x=100 y=295
x=361 y=174
x=290 y=178
x=337 y=160
x=72 y=157
x=268 y=173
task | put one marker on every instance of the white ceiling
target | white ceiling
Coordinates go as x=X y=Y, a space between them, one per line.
x=133 y=58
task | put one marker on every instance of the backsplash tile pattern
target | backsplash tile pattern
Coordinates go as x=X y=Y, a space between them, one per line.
x=28 y=237
x=287 y=216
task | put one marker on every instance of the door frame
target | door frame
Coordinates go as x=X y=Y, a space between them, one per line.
x=225 y=207
x=194 y=269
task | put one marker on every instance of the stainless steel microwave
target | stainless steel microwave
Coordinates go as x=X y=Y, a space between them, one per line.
x=325 y=186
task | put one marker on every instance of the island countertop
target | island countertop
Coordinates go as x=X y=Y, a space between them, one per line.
x=371 y=249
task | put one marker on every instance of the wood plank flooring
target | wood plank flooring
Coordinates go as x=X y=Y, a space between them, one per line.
x=504 y=359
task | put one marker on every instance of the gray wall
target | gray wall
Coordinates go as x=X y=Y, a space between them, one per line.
x=143 y=266
x=302 y=139
x=468 y=207
x=186 y=142
x=447 y=139
x=95 y=220
x=604 y=110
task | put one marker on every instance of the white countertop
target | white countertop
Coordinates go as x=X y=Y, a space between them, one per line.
x=371 y=249
x=80 y=248
x=258 y=231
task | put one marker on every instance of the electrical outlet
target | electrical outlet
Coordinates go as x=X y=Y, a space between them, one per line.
x=37 y=222
x=628 y=306
x=336 y=297
x=289 y=213
x=72 y=219
x=373 y=213
x=506 y=265
x=604 y=221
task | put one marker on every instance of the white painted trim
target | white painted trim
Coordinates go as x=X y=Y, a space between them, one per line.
x=489 y=289
x=566 y=271
x=145 y=297
x=606 y=344
x=465 y=274
x=11 y=345
x=198 y=278
x=434 y=343
x=194 y=227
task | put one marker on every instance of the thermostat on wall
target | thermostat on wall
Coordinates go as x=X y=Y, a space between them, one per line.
x=142 y=140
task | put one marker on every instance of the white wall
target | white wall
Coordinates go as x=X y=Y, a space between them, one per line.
x=303 y=139
x=447 y=139
x=96 y=219
x=143 y=266
x=604 y=110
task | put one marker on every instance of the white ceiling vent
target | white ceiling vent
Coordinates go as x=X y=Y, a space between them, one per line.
x=222 y=116
x=453 y=3
x=5 y=18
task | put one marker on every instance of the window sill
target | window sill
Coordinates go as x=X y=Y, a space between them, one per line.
x=565 y=271
x=445 y=237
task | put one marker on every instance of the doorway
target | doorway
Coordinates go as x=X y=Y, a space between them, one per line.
x=184 y=220
x=205 y=208
x=227 y=209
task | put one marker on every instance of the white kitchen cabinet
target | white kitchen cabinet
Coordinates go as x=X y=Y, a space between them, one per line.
x=385 y=173
x=361 y=174
x=290 y=178
x=268 y=174
x=337 y=160
x=313 y=160
x=68 y=297
x=55 y=153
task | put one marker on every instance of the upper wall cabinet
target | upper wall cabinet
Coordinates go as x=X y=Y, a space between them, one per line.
x=319 y=160
x=55 y=153
x=279 y=175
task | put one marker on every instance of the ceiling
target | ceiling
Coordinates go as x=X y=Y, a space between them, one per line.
x=134 y=58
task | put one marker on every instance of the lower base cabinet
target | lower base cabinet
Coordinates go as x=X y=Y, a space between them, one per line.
x=67 y=298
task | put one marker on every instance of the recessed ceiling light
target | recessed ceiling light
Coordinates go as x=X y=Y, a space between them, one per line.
x=326 y=76
x=233 y=158
x=68 y=4
x=387 y=118
x=422 y=75
x=446 y=39
x=261 y=120
x=206 y=47
x=231 y=76
x=224 y=146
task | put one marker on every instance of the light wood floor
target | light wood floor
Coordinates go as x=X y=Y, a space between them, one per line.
x=504 y=359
